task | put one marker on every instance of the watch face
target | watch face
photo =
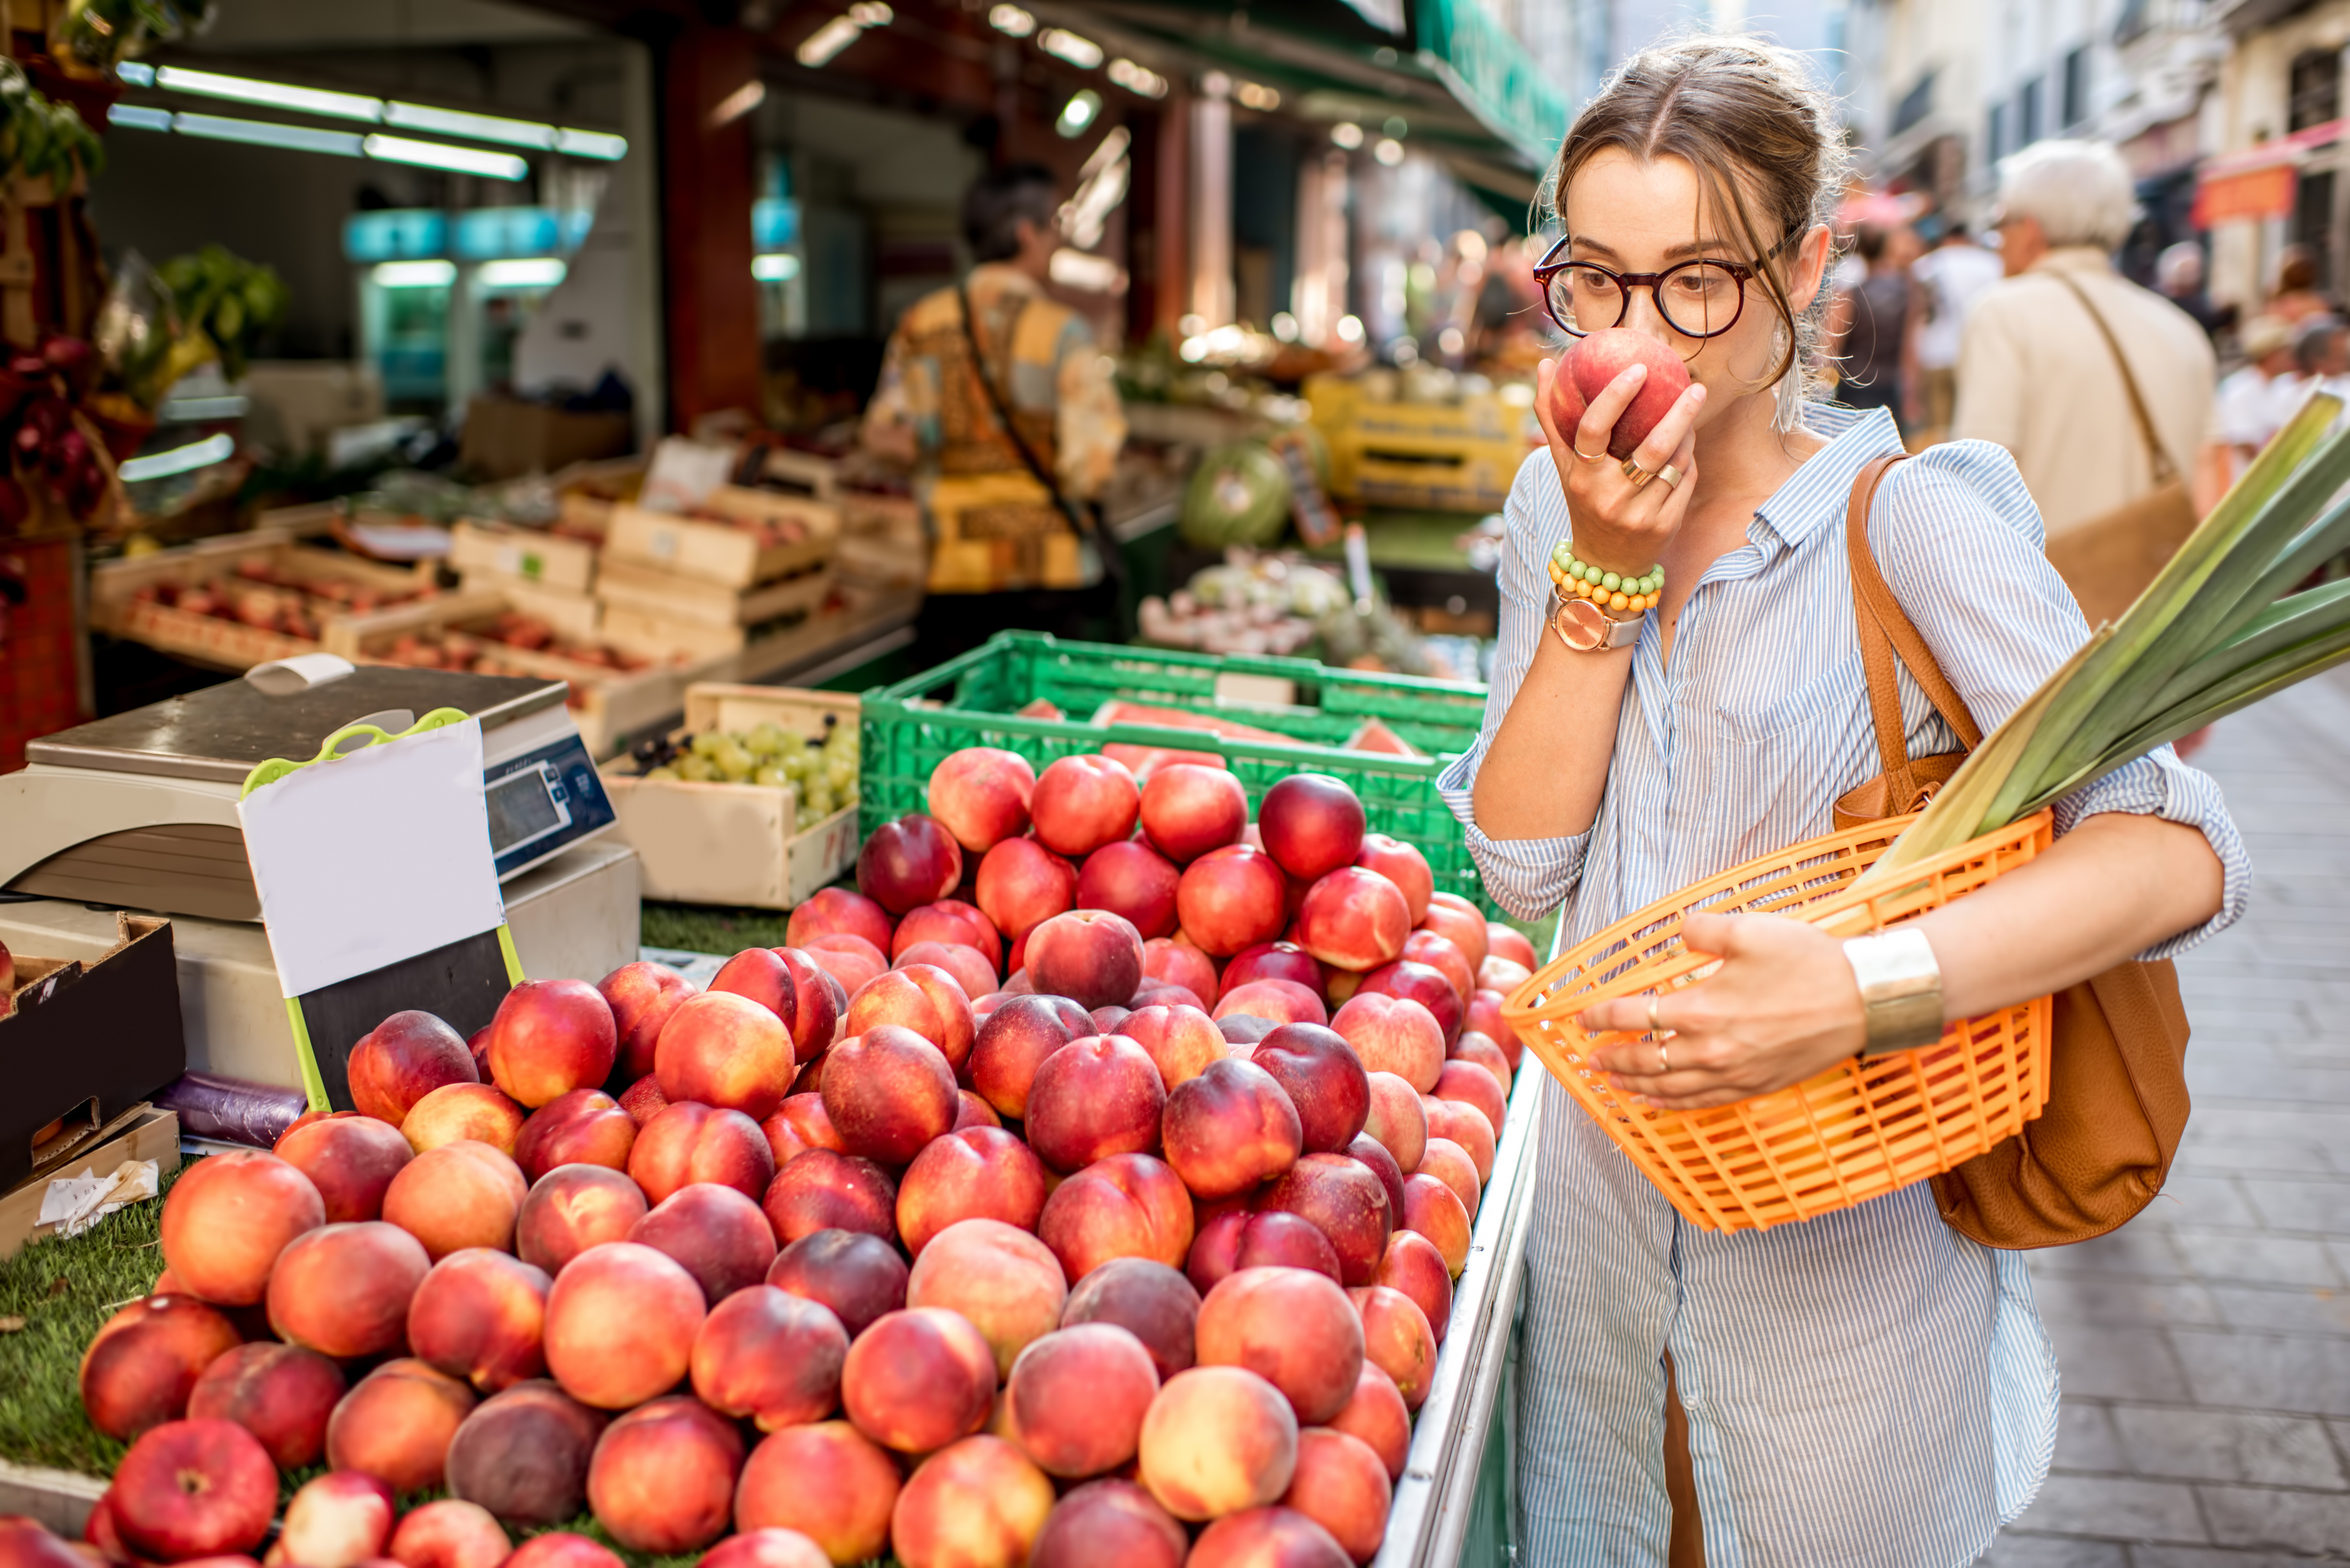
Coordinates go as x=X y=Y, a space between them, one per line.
x=1581 y=626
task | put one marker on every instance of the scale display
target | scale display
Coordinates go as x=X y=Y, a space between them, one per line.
x=542 y=801
x=525 y=807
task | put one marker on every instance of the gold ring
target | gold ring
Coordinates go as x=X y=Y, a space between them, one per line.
x=1654 y=1026
x=1664 y=1059
x=1578 y=453
x=1636 y=474
x=1671 y=476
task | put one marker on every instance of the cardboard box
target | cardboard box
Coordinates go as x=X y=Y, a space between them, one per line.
x=140 y=1133
x=85 y=1041
x=728 y=843
x=505 y=437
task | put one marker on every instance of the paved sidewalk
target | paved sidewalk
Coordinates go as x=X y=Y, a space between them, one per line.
x=2205 y=1347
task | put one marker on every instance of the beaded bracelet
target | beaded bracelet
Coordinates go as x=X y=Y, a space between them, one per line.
x=1610 y=590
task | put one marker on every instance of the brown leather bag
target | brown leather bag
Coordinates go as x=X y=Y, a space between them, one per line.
x=2117 y=1085
x=2109 y=560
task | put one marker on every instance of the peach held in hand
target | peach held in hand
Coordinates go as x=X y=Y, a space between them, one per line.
x=1592 y=363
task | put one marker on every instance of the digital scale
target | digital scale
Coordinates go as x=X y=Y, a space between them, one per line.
x=139 y=811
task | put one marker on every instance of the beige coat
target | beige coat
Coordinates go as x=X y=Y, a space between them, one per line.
x=2036 y=375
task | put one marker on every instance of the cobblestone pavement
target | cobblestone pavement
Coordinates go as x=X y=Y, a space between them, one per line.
x=2205 y=1347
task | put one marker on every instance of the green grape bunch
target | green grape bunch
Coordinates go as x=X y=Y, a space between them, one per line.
x=821 y=770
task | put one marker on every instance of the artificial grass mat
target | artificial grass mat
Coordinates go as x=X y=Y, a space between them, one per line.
x=709 y=927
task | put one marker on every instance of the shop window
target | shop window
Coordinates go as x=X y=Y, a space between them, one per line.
x=2313 y=221
x=2076 y=86
x=2315 y=89
x=1995 y=134
x=2028 y=129
x=1915 y=105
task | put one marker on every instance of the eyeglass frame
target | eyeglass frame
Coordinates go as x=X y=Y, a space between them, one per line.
x=1744 y=272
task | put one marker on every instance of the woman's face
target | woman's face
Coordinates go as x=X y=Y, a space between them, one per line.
x=1635 y=216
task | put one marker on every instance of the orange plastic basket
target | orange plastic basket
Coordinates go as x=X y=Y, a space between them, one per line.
x=1854 y=1131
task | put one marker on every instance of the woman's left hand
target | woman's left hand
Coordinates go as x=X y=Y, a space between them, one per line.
x=1782 y=1006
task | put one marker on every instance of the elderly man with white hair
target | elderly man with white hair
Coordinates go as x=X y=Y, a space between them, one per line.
x=2036 y=373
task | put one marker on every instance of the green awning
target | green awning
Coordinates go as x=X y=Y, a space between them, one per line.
x=1490 y=73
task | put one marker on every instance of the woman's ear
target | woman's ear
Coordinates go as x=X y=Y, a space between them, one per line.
x=1811 y=265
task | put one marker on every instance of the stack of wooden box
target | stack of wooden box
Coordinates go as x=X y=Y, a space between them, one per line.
x=548 y=576
x=746 y=564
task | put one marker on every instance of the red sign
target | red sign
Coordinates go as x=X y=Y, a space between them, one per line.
x=2263 y=192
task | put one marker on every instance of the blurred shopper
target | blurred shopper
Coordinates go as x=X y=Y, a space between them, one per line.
x=2178 y=274
x=1951 y=278
x=2101 y=389
x=2252 y=403
x=2320 y=352
x=1878 y=316
x=2296 y=298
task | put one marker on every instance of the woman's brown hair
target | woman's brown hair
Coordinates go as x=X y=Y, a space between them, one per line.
x=1762 y=135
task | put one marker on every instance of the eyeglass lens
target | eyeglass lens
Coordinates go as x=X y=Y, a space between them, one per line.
x=1697 y=299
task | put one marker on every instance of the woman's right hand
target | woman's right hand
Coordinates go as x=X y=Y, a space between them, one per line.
x=1619 y=525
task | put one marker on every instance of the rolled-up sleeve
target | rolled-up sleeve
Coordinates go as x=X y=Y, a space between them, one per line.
x=1527 y=877
x=1961 y=545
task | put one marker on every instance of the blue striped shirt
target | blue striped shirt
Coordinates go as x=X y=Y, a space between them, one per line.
x=1868 y=1387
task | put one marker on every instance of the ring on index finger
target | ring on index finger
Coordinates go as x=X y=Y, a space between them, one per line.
x=1639 y=476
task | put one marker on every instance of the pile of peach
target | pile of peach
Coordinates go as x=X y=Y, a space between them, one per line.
x=838 y=1258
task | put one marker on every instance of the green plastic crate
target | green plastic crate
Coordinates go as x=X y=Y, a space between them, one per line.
x=909 y=728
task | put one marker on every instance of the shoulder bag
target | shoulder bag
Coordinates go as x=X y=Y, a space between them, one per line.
x=2109 y=560
x=2117 y=1086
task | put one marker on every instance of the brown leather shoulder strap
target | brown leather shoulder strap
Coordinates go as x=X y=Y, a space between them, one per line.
x=2164 y=471
x=1886 y=632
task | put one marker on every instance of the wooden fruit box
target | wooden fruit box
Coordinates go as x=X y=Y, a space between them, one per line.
x=670 y=595
x=533 y=553
x=117 y=609
x=728 y=843
x=576 y=616
x=728 y=545
x=589 y=490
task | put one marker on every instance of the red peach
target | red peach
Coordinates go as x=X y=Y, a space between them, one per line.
x=887 y=1092
x=836 y=911
x=1231 y=899
x=1022 y=885
x=918 y=1379
x=1396 y=1336
x=906 y=864
x=480 y=1316
x=1158 y=993
x=980 y=795
x=549 y=1037
x=983 y=1173
x=478 y=1042
x=978 y=1503
x=852 y=961
x=1393 y=1034
x=1370 y=1153
x=1015 y=1040
x=1093 y=957
x=146 y=1359
x=1276 y=960
x=760 y=975
x=690 y=1142
x=396 y=1424
x=1442 y=954
x=817 y=1002
x=1094 y=1099
x=455 y=1112
x=350 y=1158
x=1507 y=942
x=642 y=996
x=1465 y=1083
x=920 y=997
x=765 y=1549
x=971 y=1111
x=1217 y=1439
x=770 y=1357
x=1110 y=1521
x=1311 y=823
x=727 y=1051
x=1147 y=1299
x=339 y=1520
x=1076 y=1396
x=1266 y=1537
x=1414 y=1266
x=1176 y=961
x=1239 y=1238
x=1485 y=1018
x=620 y=1324
x=1188 y=809
x=403 y=1059
x=1448 y=1163
x=1128 y=1206
x=1132 y=880
x=1181 y=1040
x=1401 y=864
x=643 y=1100
x=858 y=1277
x=1417 y=982
x=343 y=1289
x=798 y=1126
x=226 y=1219
x=193 y=1489
x=822 y=1190
x=1434 y=1212
x=662 y=1478
x=562 y=1549
x=586 y=1126
x=829 y=1481
x=714 y=1233
x=282 y=1394
x=1323 y=1078
x=1231 y=1128
x=1342 y=1485
x=573 y=1207
x=1281 y=1001
x=1003 y=1280
x=1474 y=1047
x=24 y=1543
x=1450 y=915
x=1081 y=802
x=1465 y=1125
x=1504 y=975
x=953 y=922
x=462 y=1194
x=1353 y=919
x=1398 y=1120
x=1345 y=1199
x=1377 y=1415
x=968 y=965
x=450 y=1533
x=1292 y=1327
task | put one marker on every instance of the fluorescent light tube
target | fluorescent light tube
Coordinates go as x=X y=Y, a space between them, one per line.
x=591 y=144
x=180 y=459
x=276 y=94
x=523 y=272
x=476 y=127
x=778 y=268
x=414 y=274
x=1079 y=51
x=268 y=133
x=437 y=155
x=139 y=119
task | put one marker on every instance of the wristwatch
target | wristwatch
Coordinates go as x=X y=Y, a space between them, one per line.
x=1587 y=629
x=1900 y=988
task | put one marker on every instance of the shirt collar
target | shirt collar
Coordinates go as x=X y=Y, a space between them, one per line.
x=1819 y=490
x=1002 y=276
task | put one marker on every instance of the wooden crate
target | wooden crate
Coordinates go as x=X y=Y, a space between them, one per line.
x=672 y=596
x=535 y=554
x=576 y=616
x=116 y=608
x=726 y=546
x=727 y=843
